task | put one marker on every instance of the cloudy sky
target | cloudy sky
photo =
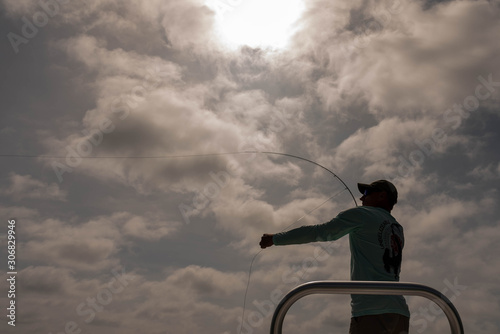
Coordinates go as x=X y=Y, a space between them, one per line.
x=157 y=235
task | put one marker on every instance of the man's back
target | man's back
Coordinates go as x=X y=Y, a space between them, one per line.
x=376 y=253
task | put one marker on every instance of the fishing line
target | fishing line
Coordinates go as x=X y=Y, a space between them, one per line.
x=255 y=256
x=184 y=156
x=210 y=155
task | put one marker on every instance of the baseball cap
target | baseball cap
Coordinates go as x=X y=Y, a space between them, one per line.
x=380 y=185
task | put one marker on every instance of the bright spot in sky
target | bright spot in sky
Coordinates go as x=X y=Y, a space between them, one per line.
x=256 y=23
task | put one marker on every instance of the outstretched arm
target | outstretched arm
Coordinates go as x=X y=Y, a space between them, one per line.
x=266 y=241
x=336 y=228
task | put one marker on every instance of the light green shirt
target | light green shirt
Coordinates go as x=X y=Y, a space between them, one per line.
x=376 y=240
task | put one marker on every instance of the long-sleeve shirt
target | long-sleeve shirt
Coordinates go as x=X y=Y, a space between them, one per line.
x=376 y=242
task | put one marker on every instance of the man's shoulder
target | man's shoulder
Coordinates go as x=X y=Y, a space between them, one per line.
x=367 y=212
x=357 y=213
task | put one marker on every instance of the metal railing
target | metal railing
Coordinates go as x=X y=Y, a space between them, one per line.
x=366 y=288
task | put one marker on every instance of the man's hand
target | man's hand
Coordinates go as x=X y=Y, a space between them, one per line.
x=266 y=241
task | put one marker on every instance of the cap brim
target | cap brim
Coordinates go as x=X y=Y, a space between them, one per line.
x=362 y=187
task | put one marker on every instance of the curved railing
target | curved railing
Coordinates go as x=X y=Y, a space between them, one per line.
x=366 y=288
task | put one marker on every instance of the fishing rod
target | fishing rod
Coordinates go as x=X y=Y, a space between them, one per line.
x=187 y=156
x=209 y=155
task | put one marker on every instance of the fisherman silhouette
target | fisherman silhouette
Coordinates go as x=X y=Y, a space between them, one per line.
x=376 y=241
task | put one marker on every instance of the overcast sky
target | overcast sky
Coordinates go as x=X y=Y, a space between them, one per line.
x=407 y=91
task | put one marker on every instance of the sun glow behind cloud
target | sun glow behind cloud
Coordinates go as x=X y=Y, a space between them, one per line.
x=256 y=23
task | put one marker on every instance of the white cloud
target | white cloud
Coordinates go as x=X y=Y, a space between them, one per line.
x=45 y=280
x=380 y=146
x=180 y=300
x=25 y=187
x=206 y=281
x=441 y=217
x=489 y=172
x=188 y=24
x=20 y=7
x=88 y=246
x=412 y=68
x=93 y=52
x=148 y=229
x=396 y=61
